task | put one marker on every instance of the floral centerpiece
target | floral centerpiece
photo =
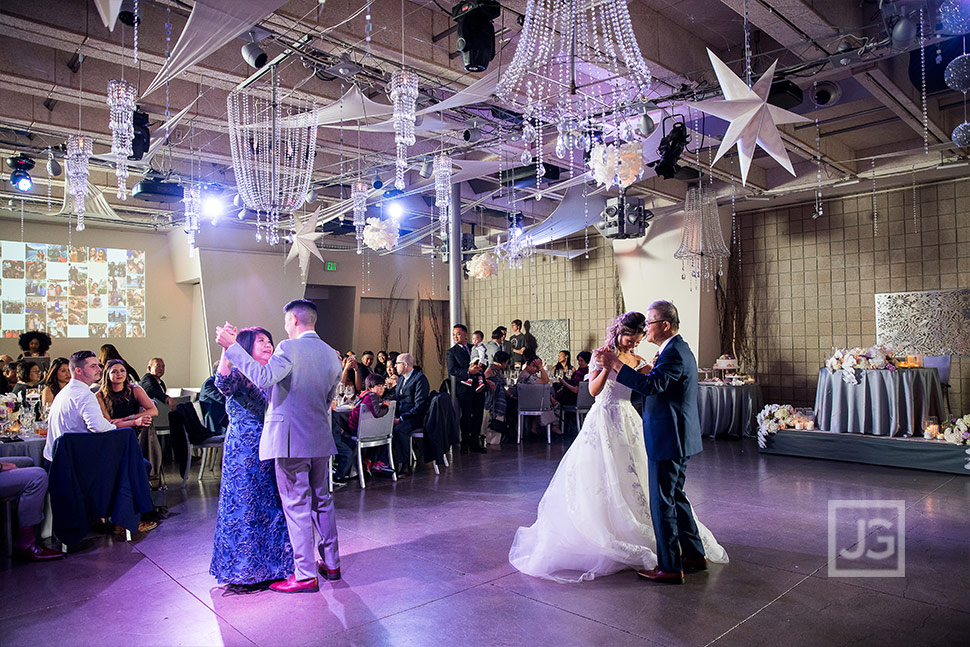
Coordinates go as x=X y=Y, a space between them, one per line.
x=8 y=404
x=957 y=430
x=848 y=360
x=772 y=418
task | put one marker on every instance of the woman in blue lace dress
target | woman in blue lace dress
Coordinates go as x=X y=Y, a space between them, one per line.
x=251 y=545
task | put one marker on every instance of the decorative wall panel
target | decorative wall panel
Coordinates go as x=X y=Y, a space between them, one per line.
x=552 y=336
x=935 y=322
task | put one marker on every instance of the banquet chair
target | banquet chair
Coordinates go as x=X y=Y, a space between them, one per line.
x=942 y=365
x=375 y=432
x=534 y=400
x=584 y=401
x=419 y=433
x=8 y=528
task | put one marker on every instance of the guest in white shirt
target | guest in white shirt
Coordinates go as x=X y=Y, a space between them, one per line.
x=75 y=408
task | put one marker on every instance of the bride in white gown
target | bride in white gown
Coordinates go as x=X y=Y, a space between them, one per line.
x=594 y=518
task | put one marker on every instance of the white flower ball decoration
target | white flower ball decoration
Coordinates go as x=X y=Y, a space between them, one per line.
x=483 y=266
x=380 y=234
x=618 y=165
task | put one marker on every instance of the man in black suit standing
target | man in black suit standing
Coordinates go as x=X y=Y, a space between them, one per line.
x=411 y=394
x=471 y=403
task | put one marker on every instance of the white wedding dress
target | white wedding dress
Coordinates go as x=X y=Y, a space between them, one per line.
x=594 y=518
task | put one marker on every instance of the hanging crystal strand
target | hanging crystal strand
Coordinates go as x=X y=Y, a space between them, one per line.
x=168 y=53
x=50 y=164
x=121 y=100
x=442 y=182
x=915 y=221
x=540 y=167
x=747 y=46
x=21 y=220
x=368 y=30
x=137 y=20
x=404 y=94
x=922 y=60
x=875 y=212
x=79 y=149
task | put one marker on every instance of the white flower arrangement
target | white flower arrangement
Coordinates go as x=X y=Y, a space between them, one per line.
x=483 y=266
x=617 y=164
x=380 y=234
x=848 y=360
x=772 y=418
x=957 y=430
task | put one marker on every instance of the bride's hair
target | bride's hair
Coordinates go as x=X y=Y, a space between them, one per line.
x=628 y=323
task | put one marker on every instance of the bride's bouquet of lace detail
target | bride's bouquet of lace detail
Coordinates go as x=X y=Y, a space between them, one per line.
x=849 y=360
x=772 y=418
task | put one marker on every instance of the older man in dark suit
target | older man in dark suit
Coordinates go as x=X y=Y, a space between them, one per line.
x=411 y=394
x=672 y=433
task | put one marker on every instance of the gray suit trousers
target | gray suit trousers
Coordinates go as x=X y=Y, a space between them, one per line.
x=307 y=504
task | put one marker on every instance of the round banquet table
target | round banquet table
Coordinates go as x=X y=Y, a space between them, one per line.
x=728 y=410
x=32 y=446
x=883 y=403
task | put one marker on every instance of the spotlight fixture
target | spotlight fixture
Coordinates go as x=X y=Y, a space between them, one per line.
x=142 y=140
x=671 y=147
x=74 y=64
x=425 y=171
x=476 y=33
x=646 y=125
x=213 y=205
x=826 y=93
x=472 y=135
x=848 y=181
x=311 y=196
x=378 y=182
x=393 y=192
x=252 y=53
x=53 y=168
x=49 y=103
x=20 y=176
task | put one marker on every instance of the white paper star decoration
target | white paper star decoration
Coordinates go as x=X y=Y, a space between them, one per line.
x=305 y=243
x=754 y=121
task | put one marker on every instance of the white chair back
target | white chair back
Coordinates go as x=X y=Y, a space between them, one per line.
x=534 y=397
x=370 y=428
x=584 y=400
x=941 y=363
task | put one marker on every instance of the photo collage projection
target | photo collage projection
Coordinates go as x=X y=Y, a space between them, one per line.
x=71 y=291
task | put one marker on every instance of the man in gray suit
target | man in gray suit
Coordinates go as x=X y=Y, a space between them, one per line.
x=302 y=376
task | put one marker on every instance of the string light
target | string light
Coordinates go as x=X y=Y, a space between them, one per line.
x=818 y=163
x=922 y=60
x=875 y=211
x=915 y=221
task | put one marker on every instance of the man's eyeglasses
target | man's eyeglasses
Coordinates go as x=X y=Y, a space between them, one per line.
x=657 y=321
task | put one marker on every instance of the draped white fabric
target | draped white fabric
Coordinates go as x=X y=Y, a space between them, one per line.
x=351 y=107
x=212 y=24
x=95 y=203
x=477 y=92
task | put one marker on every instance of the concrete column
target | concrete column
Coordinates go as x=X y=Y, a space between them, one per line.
x=454 y=257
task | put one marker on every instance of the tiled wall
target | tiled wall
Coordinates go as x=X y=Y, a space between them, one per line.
x=547 y=287
x=812 y=283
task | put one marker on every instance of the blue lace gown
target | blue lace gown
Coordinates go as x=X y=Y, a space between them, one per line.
x=251 y=544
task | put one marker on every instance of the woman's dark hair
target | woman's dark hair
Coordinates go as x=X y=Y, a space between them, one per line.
x=393 y=356
x=384 y=353
x=628 y=323
x=30 y=335
x=500 y=357
x=372 y=380
x=50 y=380
x=247 y=337
x=23 y=370
x=528 y=355
x=109 y=395
x=569 y=358
x=584 y=355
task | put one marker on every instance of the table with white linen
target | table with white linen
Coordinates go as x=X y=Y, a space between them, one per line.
x=728 y=410
x=883 y=403
x=32 y=446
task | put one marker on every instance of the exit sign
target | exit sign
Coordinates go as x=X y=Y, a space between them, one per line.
x=331 y=266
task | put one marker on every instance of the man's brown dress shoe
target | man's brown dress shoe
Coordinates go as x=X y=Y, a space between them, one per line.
x=657 y=575
x=694 y=565
x=35 y=553
x=332 y=574
x=293 y=585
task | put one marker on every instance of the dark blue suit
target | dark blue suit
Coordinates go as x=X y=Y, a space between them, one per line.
x=672 y=433
x=412 y=405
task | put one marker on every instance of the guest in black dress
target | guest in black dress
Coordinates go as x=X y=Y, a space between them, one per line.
x=125 y=404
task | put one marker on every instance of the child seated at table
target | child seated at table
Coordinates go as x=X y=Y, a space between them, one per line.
x=345 y=435
x=476 y=382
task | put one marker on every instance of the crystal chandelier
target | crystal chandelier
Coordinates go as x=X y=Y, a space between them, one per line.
x=403 y=89
x=442 y=191
x=577 y=65
x=193 y=209
x=516 y=249
x=79 y=149
x=358 y=194
x=121 y=100
x=273 y=147
x=702 y=248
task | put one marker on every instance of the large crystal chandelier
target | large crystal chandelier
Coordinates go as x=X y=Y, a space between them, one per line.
x=121 y=100
x=273 y=147
x=578 y=66
x=442 y=191
x=79 y=149
x=358 y=194
x=403 y=89
x=516 y=249
x=702 y=249
x=193 y=210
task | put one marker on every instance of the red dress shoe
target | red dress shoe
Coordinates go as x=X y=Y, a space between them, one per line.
x=657 y=575
x=332 y=574
x=35 y=553
x=694 y=565
x=293 y=585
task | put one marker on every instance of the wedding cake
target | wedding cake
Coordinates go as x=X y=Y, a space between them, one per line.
x=726 y=363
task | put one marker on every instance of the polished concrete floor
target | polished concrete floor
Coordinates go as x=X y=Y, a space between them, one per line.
x=425 y=562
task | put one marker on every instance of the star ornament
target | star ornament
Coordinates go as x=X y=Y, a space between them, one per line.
x=304 y=244
x=754 y=121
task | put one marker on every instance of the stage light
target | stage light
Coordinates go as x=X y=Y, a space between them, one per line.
x=425 y=171
x=378 y=182
x=53 y=168
x=476 y=33
x=143 y=137
x=395 y=210
x=671 y=147
x=646 y=125
x=20 y=173
x=472 y=135
x=311 y=196
x=253 y=54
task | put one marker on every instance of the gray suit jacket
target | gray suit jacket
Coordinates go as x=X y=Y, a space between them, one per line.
x=302 y=376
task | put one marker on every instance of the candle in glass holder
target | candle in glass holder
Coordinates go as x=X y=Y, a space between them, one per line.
x=809 y=424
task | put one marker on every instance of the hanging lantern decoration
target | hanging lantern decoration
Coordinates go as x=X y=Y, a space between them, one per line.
x=193 y=209
x=79 y=149
x=518 y=248
x=121 y=101
x=403 y=89
x=483 y=266
x=358 y=194
x=702 y=249
x=442 y=191
x=617 y=164
x=380 y=234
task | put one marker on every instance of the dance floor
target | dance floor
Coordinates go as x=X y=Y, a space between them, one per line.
x=425 y=563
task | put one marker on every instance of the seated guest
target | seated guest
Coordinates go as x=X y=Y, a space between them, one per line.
x=346 y=391
x=568 y=388
x=380 y=365
x=365 y=366
x=213 y=404
x=125 y=404
x=6 y=385
x=29 y=376
x=10 y=374
x=28 y=485
x=563 y=367
x=153 y=384
x=34 y=343
x=411 y=394
x=533 y=372
x=345 y=433
x=108 y=352
x=58 y=375
x=496 y=400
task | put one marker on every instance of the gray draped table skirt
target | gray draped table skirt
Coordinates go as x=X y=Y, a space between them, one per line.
x=883 y=403
x=728 y=410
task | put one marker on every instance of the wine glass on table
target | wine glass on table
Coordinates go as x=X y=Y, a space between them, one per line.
x=33 y=399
